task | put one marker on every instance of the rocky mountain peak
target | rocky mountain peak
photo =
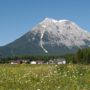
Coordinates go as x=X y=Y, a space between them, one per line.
x=51 y=36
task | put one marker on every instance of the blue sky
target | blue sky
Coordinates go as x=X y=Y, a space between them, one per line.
x=19 y=16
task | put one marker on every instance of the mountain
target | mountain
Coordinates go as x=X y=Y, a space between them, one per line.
x=49 y=37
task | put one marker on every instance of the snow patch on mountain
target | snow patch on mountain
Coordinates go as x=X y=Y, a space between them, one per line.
x=41 y=42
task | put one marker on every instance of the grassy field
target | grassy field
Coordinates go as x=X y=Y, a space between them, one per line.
x=44 y=77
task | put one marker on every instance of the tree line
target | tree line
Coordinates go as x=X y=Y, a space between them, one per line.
x=45 y=58
x=82 y=56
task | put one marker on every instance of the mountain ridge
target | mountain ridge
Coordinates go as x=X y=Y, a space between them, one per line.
x=48 y=37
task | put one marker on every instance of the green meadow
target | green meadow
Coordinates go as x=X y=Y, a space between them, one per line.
x=44 y=77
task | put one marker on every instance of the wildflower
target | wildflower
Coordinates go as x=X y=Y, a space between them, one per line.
x=38 y=89
x=55 y=71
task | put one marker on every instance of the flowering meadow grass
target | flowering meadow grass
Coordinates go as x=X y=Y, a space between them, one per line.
x=44 y=77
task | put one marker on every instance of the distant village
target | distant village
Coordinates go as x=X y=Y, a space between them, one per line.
x=27 y=59
x=54 y=61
